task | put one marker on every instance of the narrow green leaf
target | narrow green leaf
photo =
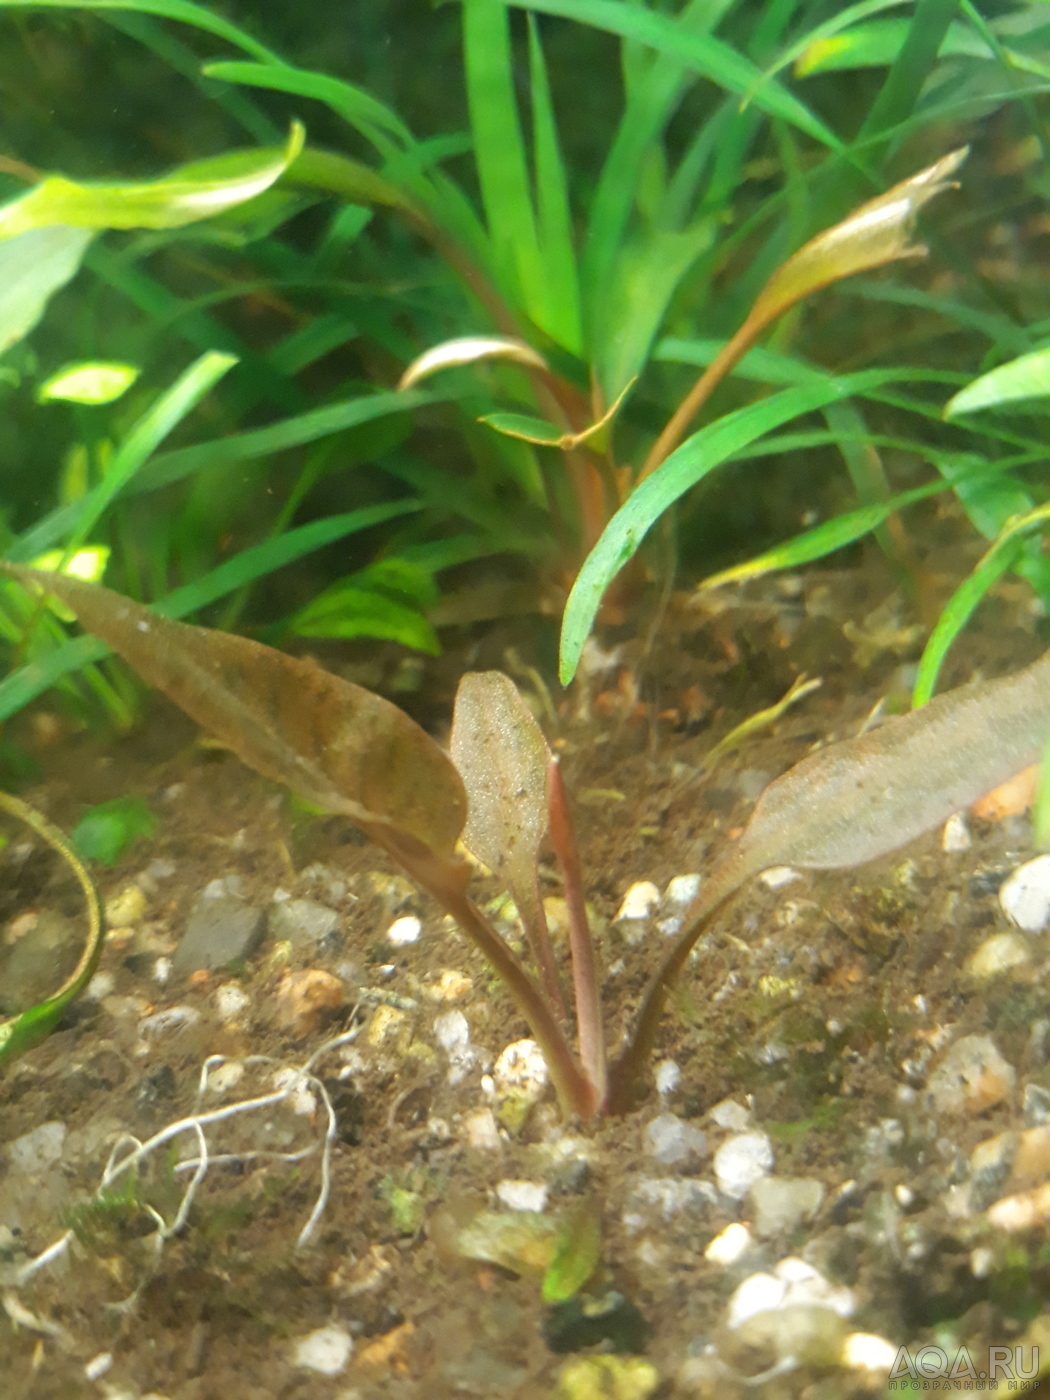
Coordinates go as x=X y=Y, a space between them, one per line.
x=561 y=283
x=691 y=462
x=912 y=66
x=193 y=192
x=823 y=539
x=577 y=1250
x=33 y=266
x=878 y=45
x=715 y=60
x=1027 y=377
x=184 y=10
x=360 y=109
x=144 y=439
x=1003 y=555
x=824 y=34
x=499 y=152
x=523 y=426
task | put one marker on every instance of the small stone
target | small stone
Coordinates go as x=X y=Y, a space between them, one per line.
x=522 y=1195
x=307 y=1000
x=231 y=1001
x=453 y=1035
x=1025 y=895
x=97 y=1367
x=37 y=1150
x=741 y=1161
x=168 y=1022
x=127 y=907
x=997 y=955
x=480 y=1131
x=219 y=930
x=640 y=901
x=782 y=1202
x=1036 y=1105
x=867 y=1351
x=668 y=1077
x=388 y=1027
x=1021 y=1212
x=956 y=835
x=793 y=1283
x=1031 y=1160
x=450 y=986
x=732 y=1116
x=521 y=1071
x=607 y=1378
x=301 y=922
x=404 y=930
x=1009 y=799
x=670 y=1140
x=325 y=1351
x=682 y=890
x=729 y=1246
x=777 y=876
x=989 y=1164
x=225 y=1077
x=671 y=1194
x=971 y=1077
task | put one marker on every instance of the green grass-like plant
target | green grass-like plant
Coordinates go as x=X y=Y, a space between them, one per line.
x=537 y=315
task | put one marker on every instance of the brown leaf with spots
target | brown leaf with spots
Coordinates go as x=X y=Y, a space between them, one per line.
x=332 y=742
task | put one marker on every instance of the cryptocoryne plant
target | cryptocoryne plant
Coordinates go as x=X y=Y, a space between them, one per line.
x=351 y=752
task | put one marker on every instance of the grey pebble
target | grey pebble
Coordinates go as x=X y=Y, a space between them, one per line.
x=219 y=931
x=1036 y=1106
x=670 y=1140
x=782 y=1202
x=301 y=922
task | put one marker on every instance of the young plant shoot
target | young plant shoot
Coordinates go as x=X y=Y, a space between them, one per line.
x=350 y=752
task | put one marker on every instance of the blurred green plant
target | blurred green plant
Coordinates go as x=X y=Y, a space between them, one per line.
x=106 y=831
x=538 y=305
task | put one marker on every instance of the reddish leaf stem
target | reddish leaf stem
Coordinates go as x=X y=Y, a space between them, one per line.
x=584 y=972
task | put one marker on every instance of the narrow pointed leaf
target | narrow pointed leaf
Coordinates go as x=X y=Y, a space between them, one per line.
x=181 y=198
x=877 y=232
x=862 y=798
x=1027 y=377
x=335 y=744
x=468 y=350
x=502 y=757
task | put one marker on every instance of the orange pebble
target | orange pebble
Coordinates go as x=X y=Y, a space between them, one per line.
x=1011 y=798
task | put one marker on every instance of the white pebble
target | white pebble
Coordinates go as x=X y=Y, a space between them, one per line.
x=777 y=876
x=522 y=1195
x=956 y=836
x=521 y=1071
x=97 y=1367
x=225 y=1077
x=682 y=890
x=480 y=1131
x=867 y=1351
x=670 y=1140
x=742 y=1161
x=325 y=1351
x=294 y=1083
x=668 y=1077
x=230 y=1001
x=452 y=1031
x=730 y=1115
x=727 y=1247
x=639 y=901
x=998 y=954
x=162 y=971
x=101 y=985
x=404 y=930
x=39 y=1149
x=1025 y=896
x=756 y=1294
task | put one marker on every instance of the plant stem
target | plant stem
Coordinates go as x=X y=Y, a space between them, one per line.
x=446 y=880
x=584 y=973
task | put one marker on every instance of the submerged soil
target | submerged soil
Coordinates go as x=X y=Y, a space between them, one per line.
x=811 y=1023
